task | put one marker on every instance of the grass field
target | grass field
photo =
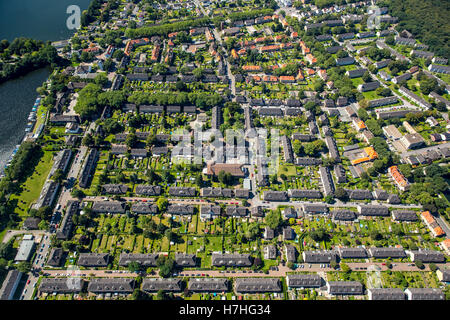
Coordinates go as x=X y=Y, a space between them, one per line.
x=32 y=187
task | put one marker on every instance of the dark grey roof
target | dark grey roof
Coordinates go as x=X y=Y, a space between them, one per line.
x=357 y=194
x=275 y=196
x=386 y=294
x=185 y=260
x=293 y=111
x=268 y=233
x=426 y=255
x=88 y=168
x=343 y=215
x=356 y=73
x=332 y=148
x=216 y=192
x=208 y=284
x=160 y=150
x=60 y=285
x=93 y=259
x=108 y=207
x=334 y=49
x=445 y=275
x=209 y=211
x=242 y=193
x=304 y=193
x=308 y=161
x=303 y=137
x=182 y=191
x=236 y=211
x=10 y=284
x=314 y=208
x=291 y=253
x=147 y=260
x=231 y=260
x=404 y=215
x=273 y=111
x=151 y=109
x=288 y=233
x=381 y=194
x=369 y=86
x=352 y=253
x=345 y=287
x=139 y=152
x=31 y=223
x=319 y=256
x=144 y=208
x=373 y=210
x=115 y=188
x=387 y=252
x=148 y=190
x=257 y=211
x=165 y=284
x=425 y=294
x=304 y=281
x=253 y=285
x=65 y=227
x=180 y=209
x=55 y=257
x=111 y=285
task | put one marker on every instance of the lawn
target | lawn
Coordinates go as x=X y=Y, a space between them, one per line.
x=31 y=189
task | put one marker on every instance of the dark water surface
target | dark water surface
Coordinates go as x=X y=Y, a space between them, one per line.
x=37 y=19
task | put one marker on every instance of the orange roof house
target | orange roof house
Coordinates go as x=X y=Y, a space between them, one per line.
x=234 y=169
x=399 y=179
x=155 y=53
x=300 y=76
x=270 y=48
x=323 y=74
x=371 y=154
x=268 y=78
x=234 y=54
x=251 y=68
x=287 y=79
x=429 y=220
x=446 y=245
x=310 y=58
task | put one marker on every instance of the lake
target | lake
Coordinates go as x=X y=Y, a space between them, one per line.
x=37 y=19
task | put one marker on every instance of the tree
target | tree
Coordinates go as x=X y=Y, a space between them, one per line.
x=134 y=266
x=77 y=193
x=161 y=295
x=273 y=219
x=101 y=79
x=419 y=264
x=345 y=268
x=432 y=267
x=131 y=140
x=24 y=267
x=162 y=204
x=58 y=176
x=341 y=194
x=362 y=114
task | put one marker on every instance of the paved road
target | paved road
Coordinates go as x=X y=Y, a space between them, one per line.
x=422 y=150
x=219 y=40
x=443 y=224
x=41 y=256
x=281 y=272
x=12 y=233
